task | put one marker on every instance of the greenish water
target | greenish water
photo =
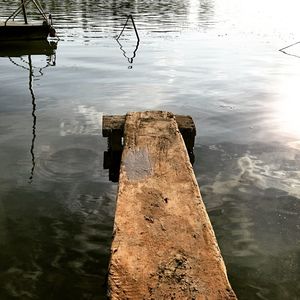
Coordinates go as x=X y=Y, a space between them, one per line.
x=215 y=60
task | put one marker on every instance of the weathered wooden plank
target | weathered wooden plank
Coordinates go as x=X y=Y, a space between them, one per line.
x=163 y=244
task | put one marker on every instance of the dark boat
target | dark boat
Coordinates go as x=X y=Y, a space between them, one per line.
x=11 y=29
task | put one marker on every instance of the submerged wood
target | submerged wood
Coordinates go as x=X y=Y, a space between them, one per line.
x=163 y=243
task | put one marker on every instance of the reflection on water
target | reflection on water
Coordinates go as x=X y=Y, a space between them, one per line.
x=23 y=48
x=33 y=118
x=19 y=49
x=252 y=197
x=137 y=41
x=215 y=60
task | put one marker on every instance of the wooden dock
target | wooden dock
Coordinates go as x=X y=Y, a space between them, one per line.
x=163 y=243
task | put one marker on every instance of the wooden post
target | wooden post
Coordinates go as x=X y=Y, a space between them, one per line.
x=24 y=12
x=163 y=243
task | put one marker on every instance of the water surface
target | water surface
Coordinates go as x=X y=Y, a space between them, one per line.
x=215 y=60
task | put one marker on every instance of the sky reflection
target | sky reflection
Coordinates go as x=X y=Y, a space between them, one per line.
x=287 y=108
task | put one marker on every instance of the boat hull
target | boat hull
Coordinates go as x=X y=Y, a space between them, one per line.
x=17 y=31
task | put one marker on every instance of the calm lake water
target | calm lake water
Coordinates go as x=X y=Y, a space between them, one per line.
x=216 y=60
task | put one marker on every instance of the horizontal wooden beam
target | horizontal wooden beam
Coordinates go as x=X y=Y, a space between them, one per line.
x=113 y=129
x=113 y=125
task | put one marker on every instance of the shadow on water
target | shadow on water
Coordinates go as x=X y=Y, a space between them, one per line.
x=19 y=51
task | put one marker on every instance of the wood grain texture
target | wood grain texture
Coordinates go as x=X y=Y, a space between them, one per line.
x=163 y=244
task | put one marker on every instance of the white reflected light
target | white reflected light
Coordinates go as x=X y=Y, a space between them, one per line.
x=193 y=13
x=267 y=19
x=288 y=108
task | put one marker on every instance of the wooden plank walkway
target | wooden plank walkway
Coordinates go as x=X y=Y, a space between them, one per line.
x=163 y=243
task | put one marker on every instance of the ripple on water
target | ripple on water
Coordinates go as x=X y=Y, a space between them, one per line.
x=67 y=164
